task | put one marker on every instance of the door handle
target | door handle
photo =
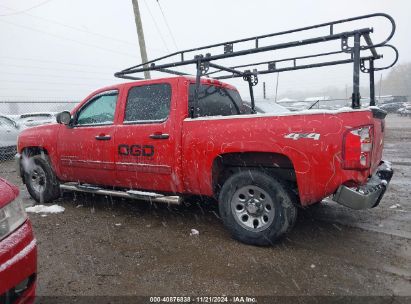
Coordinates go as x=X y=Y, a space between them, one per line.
x=159 y=136
x=103 y=137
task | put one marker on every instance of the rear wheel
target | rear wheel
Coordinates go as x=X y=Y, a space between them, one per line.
x=256 y=208
x=41 y=182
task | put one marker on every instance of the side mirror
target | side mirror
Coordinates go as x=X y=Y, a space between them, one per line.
x=63 y=118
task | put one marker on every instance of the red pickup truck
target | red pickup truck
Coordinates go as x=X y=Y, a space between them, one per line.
x=139 y=136
x=183 y=136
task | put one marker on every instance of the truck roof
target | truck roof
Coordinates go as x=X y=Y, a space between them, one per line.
x=192 y=79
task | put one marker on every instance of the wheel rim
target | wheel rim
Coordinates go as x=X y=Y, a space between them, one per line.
x=252 y=208
x=37 y=180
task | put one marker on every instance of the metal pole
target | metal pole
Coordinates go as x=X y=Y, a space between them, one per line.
x=356 y=78
x=140 y=34
x=194 y=110
x=250 y=87
x=372 y=84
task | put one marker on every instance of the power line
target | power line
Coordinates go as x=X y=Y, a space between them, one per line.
x=168 y=26
x=58 y=62
x=49 y=69
x=56 y=76
x=39 y=89
x=74 y=28
x=46 y=82
x=25 y=10
x=68 y=39
x=156 y=25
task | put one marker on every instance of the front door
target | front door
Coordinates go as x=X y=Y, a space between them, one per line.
x=146 y=144
x=86 y=147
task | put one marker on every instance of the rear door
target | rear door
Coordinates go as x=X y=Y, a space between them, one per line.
x=86 y=148
x=147 y=147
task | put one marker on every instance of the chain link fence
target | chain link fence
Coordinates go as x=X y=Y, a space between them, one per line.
x=17 y=115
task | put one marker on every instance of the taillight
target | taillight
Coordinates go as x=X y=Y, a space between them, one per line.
x=357 y=148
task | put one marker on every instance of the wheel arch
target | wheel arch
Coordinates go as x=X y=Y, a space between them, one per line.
x=276 y=165
x=30 y=151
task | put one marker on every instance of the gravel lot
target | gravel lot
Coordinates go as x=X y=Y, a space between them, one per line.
x=104 y=246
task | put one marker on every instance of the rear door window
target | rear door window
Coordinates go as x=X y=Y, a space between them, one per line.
x=148 y=103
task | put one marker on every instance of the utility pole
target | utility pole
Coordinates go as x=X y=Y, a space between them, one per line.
x=140 y=35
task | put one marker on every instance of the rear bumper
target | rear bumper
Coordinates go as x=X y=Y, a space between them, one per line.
x=368 y=195
x=18 y=266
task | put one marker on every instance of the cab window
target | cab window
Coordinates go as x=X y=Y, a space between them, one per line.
x=99 y=110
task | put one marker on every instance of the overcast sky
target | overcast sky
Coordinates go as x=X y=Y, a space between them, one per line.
x=65 y=49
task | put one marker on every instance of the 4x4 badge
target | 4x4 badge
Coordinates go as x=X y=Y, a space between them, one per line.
x=295 y=136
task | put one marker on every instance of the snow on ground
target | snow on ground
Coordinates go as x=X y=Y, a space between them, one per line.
x=45 y=209
x=194 y=232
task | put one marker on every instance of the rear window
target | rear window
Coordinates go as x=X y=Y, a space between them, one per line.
x=217 y=101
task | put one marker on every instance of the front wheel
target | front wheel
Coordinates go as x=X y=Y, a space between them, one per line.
x=41 y=182
x=256 y=208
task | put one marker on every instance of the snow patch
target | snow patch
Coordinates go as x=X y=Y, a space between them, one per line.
x=194 y=232
x=45 y=209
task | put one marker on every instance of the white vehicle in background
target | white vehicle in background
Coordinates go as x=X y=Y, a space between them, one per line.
x=406 y=110
x=267 y=106
x=299 y=106
x=264 y=106
x=9 y=131
x=28 y=120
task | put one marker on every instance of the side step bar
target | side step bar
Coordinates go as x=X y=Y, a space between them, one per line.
x=130 y=194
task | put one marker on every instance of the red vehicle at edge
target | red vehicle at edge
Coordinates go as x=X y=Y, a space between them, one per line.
x=183 y=136
x=18 y=249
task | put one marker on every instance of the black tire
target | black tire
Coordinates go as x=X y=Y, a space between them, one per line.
x=40 y=179
x=241 y=210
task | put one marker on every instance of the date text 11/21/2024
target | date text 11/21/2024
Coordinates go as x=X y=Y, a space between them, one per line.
x=204 y=299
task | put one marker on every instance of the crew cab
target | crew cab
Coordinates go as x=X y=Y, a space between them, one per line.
x=139 y=140
x=18 y=249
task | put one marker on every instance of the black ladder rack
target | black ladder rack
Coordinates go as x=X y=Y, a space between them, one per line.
x=355 y=55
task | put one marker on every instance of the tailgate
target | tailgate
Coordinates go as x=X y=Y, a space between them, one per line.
x=378 y=142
